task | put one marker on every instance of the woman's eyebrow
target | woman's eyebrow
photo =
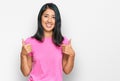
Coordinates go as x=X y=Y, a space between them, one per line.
x=48 y=14
x=45 y=14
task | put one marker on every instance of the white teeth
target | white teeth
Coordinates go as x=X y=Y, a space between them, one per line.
x=48 y=25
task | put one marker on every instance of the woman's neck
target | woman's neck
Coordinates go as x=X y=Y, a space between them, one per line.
x=47 y=34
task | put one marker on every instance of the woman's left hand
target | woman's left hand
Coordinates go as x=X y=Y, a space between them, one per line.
x=67 y=49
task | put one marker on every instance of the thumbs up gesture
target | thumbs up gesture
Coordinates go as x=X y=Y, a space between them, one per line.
x=67 y=48
x=26 y=48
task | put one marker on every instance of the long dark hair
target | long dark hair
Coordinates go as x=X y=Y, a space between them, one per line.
x=57 y=36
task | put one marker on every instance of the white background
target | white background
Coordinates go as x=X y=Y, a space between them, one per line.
x=93 y=26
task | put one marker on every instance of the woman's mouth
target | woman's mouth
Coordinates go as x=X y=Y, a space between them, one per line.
x=49 y=25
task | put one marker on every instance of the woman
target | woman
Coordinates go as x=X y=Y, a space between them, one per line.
x=47 y=54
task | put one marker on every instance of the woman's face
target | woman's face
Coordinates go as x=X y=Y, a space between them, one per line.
x=48 y=20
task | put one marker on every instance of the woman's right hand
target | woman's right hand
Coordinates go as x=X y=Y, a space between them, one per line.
x=26 y=48
x=26 y=60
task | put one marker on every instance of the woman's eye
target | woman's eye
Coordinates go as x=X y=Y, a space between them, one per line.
x=53 y=17
x=45 y=16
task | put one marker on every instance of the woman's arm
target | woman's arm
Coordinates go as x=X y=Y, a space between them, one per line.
x=68 y=63
x=68 y=58
x=26 y=60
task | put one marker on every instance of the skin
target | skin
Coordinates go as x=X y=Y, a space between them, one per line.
x=68 y=57
x=48 y=23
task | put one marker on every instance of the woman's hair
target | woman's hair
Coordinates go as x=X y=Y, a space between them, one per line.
x=57 y=36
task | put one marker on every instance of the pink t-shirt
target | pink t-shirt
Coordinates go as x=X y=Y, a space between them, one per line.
x=47 y=60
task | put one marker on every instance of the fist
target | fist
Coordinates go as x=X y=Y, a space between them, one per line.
x=67 y=49
x=26 y=48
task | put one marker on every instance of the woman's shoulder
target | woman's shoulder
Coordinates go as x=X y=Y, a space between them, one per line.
x=65 y=41
x=29 y=40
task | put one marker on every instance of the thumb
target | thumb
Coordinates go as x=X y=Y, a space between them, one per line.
x=23 y=42
x=69 y=42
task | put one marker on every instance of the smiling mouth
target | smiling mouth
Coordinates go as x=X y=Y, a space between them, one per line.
x=49 y=25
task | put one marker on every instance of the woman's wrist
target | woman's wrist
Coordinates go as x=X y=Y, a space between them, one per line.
x=23 y=54
x=72 y=55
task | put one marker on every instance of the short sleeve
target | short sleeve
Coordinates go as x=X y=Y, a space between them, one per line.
x=29 y=41
x=65 y=41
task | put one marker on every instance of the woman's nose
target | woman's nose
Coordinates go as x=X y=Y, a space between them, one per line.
x=49 y=19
